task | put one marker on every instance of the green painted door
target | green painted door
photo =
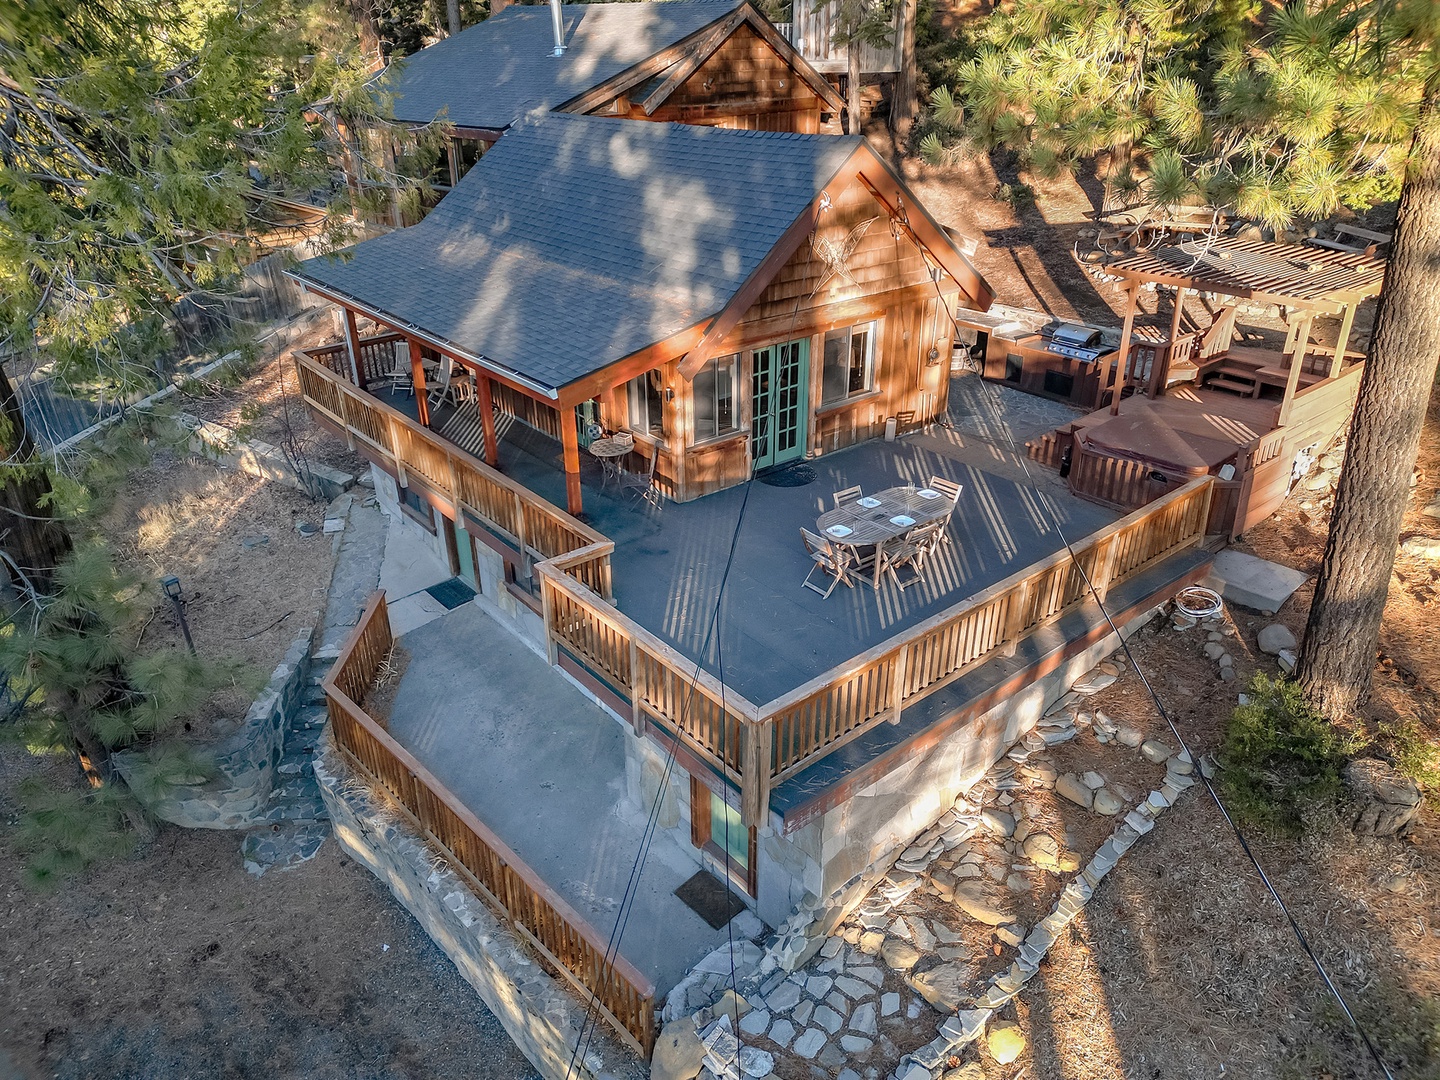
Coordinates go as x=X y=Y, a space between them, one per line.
x=465 y=556
x=779 y=403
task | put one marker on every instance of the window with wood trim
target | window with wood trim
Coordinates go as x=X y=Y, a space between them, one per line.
x=715 y=829
x=713 y=398
x=647 y=404
x=849 y=366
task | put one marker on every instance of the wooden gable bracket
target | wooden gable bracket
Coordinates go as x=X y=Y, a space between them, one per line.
x=682 y=58
x=750 y=290
x=924 y=231
x=689 y=64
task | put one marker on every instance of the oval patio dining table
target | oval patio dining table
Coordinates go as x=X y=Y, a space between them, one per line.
x=881 y=517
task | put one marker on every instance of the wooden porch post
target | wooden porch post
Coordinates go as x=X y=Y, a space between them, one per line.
x=417 y=376
x=487 y=418
x=352 y=347
x=1346 y=322
x=1298 y=348
x=1160 y=372
x=570 y=440
x=1122 y=365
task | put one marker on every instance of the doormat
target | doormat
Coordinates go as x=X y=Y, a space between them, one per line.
x=706 y=895
x=452 y=593
x=793 y=476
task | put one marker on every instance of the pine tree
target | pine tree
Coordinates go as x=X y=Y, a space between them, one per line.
x=1343 y=631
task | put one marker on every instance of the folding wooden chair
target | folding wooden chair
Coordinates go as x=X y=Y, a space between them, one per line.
x=949 y=488
x=825 y=556
x=910 y=552
x=849 y=495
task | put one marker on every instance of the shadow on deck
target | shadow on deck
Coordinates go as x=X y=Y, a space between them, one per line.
x=774 y=635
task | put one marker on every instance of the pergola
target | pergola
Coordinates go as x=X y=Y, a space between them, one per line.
x=1309 y=280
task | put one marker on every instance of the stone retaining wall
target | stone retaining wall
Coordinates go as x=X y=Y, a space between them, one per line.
x=236 y=798
x=537 y=1009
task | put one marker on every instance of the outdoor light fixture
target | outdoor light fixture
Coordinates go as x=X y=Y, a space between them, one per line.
x=176 y=594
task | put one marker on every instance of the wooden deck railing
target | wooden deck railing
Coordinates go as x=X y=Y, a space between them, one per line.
x=412 y=451
x=619 y=991
x=752 y=746
x=757 y=747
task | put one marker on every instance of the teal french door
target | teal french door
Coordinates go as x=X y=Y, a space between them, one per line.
x=779 y=399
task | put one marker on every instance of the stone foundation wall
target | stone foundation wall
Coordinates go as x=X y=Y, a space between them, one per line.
x=537 y=1009
x=258 y=458
x=236 y=798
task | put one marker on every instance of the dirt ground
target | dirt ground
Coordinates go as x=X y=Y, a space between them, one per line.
x=175 y=963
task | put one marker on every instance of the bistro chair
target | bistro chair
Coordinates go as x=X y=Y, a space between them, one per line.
x=642 y=485
x=910 y=551
x=849 y=495
x=827 y=557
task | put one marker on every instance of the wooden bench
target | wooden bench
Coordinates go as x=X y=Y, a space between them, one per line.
x=1371 y=241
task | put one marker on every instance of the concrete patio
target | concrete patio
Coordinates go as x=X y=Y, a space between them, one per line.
x=544 y=767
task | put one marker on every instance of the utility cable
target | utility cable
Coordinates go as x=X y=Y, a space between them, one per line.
x=1295 y=928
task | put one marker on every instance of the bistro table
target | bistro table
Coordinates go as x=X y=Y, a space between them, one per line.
x=884 y=516
x=608 y=451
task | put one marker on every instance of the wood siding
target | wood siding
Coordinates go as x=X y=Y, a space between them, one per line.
x=744 y=84
x=892 y=288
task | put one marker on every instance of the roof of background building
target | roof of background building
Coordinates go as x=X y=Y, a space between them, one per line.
x=577 y=241
x=496 y=71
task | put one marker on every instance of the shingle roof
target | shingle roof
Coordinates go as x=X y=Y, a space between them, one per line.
x=494 y=72
x=576 y=241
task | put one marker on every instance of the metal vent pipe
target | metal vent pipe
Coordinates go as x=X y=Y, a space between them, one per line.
x=557 y=23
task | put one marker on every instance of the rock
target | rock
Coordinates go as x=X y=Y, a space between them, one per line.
x=784 y=997
x=1275 y=637
x=943 y=987
x=1093 y=682
x=679 y=1053
x=1288 y=660
x=1386 y=802
x=1093 y=780
x=971 y=1070
x=1005 y=1041
x=730 y=1004
x=1017 y=883
x=999 y=823
x=1107 y=803
x=1040 y=773
x=1155 y=750
x=854 y=1044
x=1433 y=510
x=889 y=1006
x=1070 y=787
x=809 y=1043
x=1227 y=673
x=1214 y=650
x=829 y=1019
x=870 y=942
x=1043 y=850
x=1226 y=660
x=900 y=955
x=1421 y=547
x=1181 y=621
x=970 y=897
x=781 y=1033
x=863 y=1018
x=851 y=988
x=756 y=1062
x=1129 y=735
x=755 y=1022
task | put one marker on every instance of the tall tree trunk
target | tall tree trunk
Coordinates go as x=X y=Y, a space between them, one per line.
x=1344 y=627
x=368 y=27
x=452 y=16
x=32 y=540
x=902 y=100
x=854 y=121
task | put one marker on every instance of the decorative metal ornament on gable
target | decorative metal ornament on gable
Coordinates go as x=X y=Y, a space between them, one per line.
x=836 y=257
